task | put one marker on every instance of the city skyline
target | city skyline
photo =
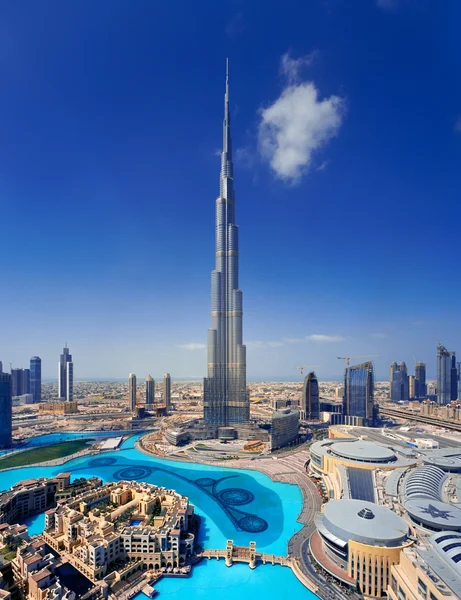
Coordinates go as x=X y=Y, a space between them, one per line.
x=373 y=159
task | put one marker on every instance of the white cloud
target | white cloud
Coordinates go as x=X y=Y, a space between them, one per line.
x=296 y=125
x=192 y=346
x=315 y=337
x=379 y=336
x=290 y=67
x=323 y=166
x=264 y=344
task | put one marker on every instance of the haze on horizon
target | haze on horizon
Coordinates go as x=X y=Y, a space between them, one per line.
x=346 y=128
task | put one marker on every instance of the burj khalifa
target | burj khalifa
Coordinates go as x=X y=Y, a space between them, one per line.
x=225 y=396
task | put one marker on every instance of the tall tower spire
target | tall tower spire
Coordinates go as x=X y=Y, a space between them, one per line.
x=225 y=397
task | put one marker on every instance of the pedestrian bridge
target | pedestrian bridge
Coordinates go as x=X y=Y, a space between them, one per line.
x=246 y=555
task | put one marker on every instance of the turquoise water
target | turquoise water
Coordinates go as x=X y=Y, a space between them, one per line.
x=212 y=580
x=35 y=524
x=239 y=505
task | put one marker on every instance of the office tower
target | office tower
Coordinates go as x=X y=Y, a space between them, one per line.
x=6 y=402
x=411 y=386
x=420 y=380
x=132 y=391
x=399 y=383
x=36 y=378
x=458 y=366
x=443 y=375
x=1 y=367
x=66 y=376
x=310 y=408
x=358 y=393
x=20 y=381
x=225 y=396
x=150 y=391
x=393 y=369
x=167 y=391
x=453 y=377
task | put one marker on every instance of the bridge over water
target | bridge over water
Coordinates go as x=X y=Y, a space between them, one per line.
x=245 y=554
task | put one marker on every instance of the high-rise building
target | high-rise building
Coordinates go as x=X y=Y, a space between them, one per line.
x=225 y=397
x=6 y=402
x=458 y=365
x=310 y=407
x=150 y=391
x=411 y=386
x=420 y=380
x=20 y=381
x=132 y=391
x=444 y=362
x=399 y=383
x=66 y=376
x=167 y=391
x=359 y=393
x=1 y=367
x=36 y=378
x=453 y=377
x=393 y=369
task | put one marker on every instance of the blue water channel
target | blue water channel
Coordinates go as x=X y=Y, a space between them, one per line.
x=239 y=505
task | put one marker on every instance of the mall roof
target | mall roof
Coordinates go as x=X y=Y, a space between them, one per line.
x=363 y=522
x=435 y=515
x=425 y=482
x=360 y=450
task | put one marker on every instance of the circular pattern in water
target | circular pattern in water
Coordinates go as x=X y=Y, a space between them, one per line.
x=102 y=462
x=131 y=473
x=205 y=481
x=236 y=496
x=253 y=524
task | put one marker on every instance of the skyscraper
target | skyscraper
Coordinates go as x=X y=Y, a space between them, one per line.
x=66 y=376
x=225 y=397
x=1 y=367
x=20 y=382
x=132 y=392
x=399 y=383
x=6 y=402
x=358 y=393
x=167 y=391
x=411 y=386
x=150 y=391
x=453 y=377
x=420 y=380
x=36 y=378
x=444 y=362
x=310 y=408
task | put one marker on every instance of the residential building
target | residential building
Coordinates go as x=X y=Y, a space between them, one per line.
x=6 y=403
x=132 y=392
x=453 y=377
x=225 y=397
x=66 y=376
x=20 y=381
x=444 y=375
x=399 y=383
x=167 y=391
x=150 y=391
x=420 y=380
x=310 y=408
x=411 y=386
x=284 y=428
x=359 y=393
x=36 y=378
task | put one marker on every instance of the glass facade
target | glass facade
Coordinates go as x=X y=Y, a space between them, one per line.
x=358 y=393
x=66 y=376
x=420 y=380
x=444 y=376
x=310 y=402
x=36 y=378
x=5 y=409
x=400 y=383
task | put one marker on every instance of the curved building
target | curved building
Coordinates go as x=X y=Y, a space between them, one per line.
x=357 y=542
x=310 y=408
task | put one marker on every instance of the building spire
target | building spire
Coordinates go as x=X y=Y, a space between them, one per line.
x=226 y=136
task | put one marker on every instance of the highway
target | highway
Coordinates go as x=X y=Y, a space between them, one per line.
x=410 y=416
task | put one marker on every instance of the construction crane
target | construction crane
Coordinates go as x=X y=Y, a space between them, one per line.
x=307 y=367
x=348 y=358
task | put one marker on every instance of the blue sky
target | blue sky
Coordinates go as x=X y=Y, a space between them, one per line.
x=346 y=123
